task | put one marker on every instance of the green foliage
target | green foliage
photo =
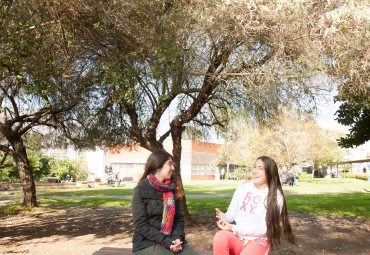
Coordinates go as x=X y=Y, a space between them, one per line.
x=354 y=112
x=68 y=166
x=360 y=176
x=347 y=167
x=239 y=173
x=304 y=175
x=43 y=167
x=38 y=162
x=14 y=209
x=294 y=137
x=10 y=210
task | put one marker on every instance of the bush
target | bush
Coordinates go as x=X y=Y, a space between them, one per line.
x=304 y=175
x=347 y=168
x=38 y=162
x=360 y=176
x=67 y=166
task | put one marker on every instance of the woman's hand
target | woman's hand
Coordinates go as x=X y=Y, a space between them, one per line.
x=176 y=246
x=224 y=225
x=220 y=215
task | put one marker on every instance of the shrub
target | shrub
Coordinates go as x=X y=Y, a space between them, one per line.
x=67 y=166
x=360 y=176
x=38 y=162
x=304 y=175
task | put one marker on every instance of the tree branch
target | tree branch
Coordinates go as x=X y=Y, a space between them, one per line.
x=7 y=165
x=4 y=158
x=6 y=149
x=164 y=136
x=207 y=124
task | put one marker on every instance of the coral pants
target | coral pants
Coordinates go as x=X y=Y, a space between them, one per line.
x=226 y=243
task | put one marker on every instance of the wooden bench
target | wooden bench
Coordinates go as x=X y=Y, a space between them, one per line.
x=4 y=186
x=51 y=179
x=85 y=184
x=128 y=251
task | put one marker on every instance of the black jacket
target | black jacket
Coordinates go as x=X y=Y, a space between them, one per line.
x=147 y=212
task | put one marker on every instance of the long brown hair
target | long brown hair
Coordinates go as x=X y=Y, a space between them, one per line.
x=273 y=216
x=155 y=162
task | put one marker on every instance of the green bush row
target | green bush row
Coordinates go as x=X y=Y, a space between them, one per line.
x=304 y=175
x=360 y=176
x=44 y=166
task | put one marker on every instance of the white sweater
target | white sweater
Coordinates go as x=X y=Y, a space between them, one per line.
x=248 y=210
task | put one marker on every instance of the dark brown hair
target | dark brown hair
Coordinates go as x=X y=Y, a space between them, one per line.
x=155 y=162
x=273 y=216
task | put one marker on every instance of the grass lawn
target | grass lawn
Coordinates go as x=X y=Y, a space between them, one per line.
x=87 y=201
x=331 y=180
x=125 y=189
x=213 y=187
x=324 y=185
x=191 y=188
x=344 y=205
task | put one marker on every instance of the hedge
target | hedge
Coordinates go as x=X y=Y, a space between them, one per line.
x=354 y=175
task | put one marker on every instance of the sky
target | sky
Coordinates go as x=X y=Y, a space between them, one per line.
x=326 y=119
x=326 y=116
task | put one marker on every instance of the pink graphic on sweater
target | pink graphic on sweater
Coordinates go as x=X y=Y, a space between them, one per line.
x=251 y=200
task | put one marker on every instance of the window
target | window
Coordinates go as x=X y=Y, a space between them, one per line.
x=198 y=169
x=123 y=169
x=139 y=168
x=185 y=169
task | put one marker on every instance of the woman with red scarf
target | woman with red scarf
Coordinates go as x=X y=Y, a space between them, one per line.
x=156 y=210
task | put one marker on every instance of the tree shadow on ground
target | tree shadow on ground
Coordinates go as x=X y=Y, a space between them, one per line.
x=67 y=221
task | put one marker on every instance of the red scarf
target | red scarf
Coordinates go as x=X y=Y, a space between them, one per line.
x=165 y=188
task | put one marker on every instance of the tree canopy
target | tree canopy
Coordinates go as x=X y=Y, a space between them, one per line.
x=354 y=112
x=108 y=73
x=290 y=139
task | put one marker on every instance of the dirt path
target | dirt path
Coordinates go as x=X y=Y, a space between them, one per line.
x=67 y=230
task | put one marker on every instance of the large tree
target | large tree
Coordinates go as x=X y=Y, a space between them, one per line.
x=349 y=39
x=43 y=77
x=191 y=60
x=292 y=139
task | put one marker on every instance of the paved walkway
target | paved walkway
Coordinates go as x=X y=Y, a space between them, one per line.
x=187 y=196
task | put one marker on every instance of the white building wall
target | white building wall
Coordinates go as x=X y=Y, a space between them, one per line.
x=359 y=153
x=96 y=162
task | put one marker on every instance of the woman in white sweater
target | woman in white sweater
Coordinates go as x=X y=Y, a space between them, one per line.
x=257 y=208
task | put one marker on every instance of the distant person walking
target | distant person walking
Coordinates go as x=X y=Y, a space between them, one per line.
x=295 y=173
x=291 y=177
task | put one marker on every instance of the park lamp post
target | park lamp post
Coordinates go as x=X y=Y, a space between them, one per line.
x=228 y=161
x=336 y=164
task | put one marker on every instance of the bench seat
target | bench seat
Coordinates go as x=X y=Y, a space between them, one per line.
x=128 y=251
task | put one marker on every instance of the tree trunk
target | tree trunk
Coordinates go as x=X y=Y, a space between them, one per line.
x=176 y=133
x=26 y=174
